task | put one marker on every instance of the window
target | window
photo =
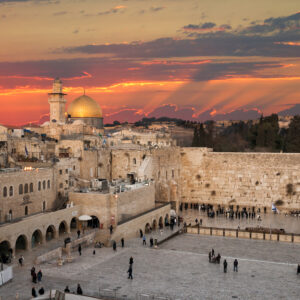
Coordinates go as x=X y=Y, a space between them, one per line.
x=67 y=171
x=25 y=188
x=26 y=210
x=60 y=172
x=44 y=205
x=48 y=184
x=20 y=189
x=74 y=168
x=44 y=184
x=166 y=174
x=173 y=174
x=31 y=187
x=5 y=191
x=134 y=161
x=60 y=185
x=39 y=186
x=67 y=181
x=158 y=175
x=10 y=214
x=11 y=191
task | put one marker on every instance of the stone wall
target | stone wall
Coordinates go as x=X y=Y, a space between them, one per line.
x=244 y=179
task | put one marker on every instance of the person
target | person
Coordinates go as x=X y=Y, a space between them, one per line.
x=79 y=249
x=32 y=271
x=218 y=258
x=130 y=272
x=67 y=290
x=144 y=240
x=115 y=246
x=225 y=266
x=79 y=289
x=235 y=265
x=200 y=222
x=151 y=242
x=78 y=233
x=34 y=277
x=41 y=291
x=39 y=276
x=141 y=233
x=196 y=221
x=212 y=252
x=209 y=256
x=131 y=260
x=122 y=242
x=111 y=229
x=21 y=260
x=33 y=292
x=298 y=269
x=94 y=252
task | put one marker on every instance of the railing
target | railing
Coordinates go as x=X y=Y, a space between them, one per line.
x=143 y=213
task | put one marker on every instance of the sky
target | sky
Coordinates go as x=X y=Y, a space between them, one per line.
x=192 y=59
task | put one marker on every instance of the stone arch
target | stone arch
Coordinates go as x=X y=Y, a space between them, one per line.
x=11 y=191
x=5 y=191
x=161 y=222
x=74 y=224
x=26 y=188
x=154 y=224
x=50 y=233
x=63 y=228
x=4 y=251
x=36 y=238
x=94 y=223
x=21 y=243
x=147 y=228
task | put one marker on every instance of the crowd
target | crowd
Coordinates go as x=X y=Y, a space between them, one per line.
x=212 y=258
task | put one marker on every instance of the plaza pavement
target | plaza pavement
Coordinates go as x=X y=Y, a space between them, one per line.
x=178 y=269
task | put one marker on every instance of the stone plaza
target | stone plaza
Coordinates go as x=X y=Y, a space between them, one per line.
x=177 y=269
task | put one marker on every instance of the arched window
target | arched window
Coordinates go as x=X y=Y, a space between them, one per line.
x=5 y=191
x=39 y=186
x=44 y=184
x=11 y=191
x=48 y=184
x=44 y=205
x=31 y=187
x=26 y=188
x=134 y=161
x=20 y=189
x=26 y=210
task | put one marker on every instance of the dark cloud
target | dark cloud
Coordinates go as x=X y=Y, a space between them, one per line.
x=207 y=25
x=113 y=10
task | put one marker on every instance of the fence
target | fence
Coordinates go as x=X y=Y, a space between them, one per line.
x=244 y=234
x=6 y=275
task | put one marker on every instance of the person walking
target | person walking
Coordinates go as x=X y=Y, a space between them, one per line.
x=115 y=246
x=79 y=289
x=144 y=240
x=32 y=271
x=39 y=276
x=235 y=265
x=33 y=292
x=298 y=269
x=151 y=242
x=122 y=242
x=212 y=252
x=225 y=266
x=111 y=229
x=79 y=249
x=209 y=256
x=78 y=233
x=21 y=260
x=141 y=233
x=130 y=272
x=131 y=261
x=34 y=277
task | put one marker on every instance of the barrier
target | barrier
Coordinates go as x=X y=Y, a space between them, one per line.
x=244 y=234
x=6 y=275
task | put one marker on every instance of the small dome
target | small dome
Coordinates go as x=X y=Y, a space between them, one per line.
x=84 y=107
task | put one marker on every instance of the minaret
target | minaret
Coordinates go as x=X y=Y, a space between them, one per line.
x=57 y=102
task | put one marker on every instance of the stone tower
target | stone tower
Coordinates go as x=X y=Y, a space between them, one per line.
x=57 y=102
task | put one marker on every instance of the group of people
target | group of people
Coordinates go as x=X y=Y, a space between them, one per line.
x=235 y=265
x=36 y=278
x=78 y=290
x=214 y=258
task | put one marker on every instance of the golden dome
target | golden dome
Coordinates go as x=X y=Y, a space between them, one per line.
x=84 y=107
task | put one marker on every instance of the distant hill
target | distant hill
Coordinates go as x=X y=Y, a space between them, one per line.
x=293 y=111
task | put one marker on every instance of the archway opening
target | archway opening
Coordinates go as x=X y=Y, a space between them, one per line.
x=21 y=243
x=154 y=225
x=147 y=228
x=50 y=233
x=5 y=252
x=62 y=228
x=161 y=223
x=94 y=223
x=36 y=239
x=167 y=223
x=74 y=224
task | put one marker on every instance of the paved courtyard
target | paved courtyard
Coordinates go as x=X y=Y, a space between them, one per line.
x=179 y=269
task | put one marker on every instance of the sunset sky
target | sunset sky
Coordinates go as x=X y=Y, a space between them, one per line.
x=183 y=58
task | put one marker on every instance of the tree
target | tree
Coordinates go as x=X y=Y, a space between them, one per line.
x=292 y=142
